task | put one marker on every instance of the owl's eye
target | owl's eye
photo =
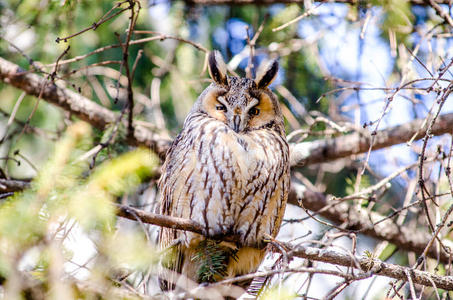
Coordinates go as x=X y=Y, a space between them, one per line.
x=220 y=107
x=254 y=111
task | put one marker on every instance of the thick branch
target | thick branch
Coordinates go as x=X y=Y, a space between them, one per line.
x=167 y=221
x=318 y=151
x=323 y=255
x=13 y=185
x=82 y=107
x=156 y=219
x=403 y=237
x=375 y=266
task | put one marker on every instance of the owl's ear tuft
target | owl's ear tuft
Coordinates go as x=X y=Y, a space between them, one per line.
x=217 y=67
x=266 y=73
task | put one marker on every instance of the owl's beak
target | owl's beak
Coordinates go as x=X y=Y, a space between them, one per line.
x=236 y=123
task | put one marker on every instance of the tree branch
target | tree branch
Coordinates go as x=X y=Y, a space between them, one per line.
x=341 y=213
x=375 y=266
x=362 y=221
x=9 y=185
x=134 y=214
x=324 y=255
x=82 y=107
x=318 y=151
x=443 y=14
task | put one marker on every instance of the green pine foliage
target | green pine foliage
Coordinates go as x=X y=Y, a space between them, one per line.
x=36 y=224
x=213 y=258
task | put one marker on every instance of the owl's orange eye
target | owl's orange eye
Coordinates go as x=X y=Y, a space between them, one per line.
x=220 y=107
x=254 y=111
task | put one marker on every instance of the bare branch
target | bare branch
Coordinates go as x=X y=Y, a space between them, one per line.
x=367 y=223
x=10 y=185
x=167 y=221
x=95 y=25
x=324 y=255
x=373 y=265
x=156 y=219
x=443 y=14
x=75 y=103
x=307 y=153
x=307 y=13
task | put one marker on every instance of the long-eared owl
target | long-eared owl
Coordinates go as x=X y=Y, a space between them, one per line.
x=228 y=170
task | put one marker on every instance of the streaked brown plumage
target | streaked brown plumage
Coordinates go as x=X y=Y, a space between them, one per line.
x=228 y=170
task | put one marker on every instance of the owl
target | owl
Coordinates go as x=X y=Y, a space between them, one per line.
x=228 y=170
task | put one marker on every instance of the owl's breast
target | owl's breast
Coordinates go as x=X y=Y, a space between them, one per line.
x=225 y=180
x=241 y=154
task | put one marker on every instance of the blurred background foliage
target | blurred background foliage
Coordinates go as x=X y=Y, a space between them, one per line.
x=37 y=225
x=312 y=59
x=34 y=26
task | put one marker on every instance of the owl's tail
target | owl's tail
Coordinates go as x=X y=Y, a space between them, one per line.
x=203 y=261
x=211 y=259
x=207 y=261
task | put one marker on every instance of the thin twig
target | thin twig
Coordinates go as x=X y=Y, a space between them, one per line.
x=95 y=25
x=307 y=13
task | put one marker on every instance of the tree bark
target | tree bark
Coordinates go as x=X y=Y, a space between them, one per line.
x=13 y=185
x=324 y=150
x=373 y=265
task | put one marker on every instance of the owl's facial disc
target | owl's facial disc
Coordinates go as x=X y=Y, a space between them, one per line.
x=241 y=111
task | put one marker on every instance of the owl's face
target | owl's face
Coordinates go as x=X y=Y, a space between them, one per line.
x=242 y=104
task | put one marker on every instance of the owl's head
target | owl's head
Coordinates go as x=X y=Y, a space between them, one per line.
x=243 y=104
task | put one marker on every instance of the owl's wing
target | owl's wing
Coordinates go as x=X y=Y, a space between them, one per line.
x=167 y=173
x=168 y=238
x=171 y=263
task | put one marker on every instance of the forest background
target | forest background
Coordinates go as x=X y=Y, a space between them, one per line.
x=92 y=92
